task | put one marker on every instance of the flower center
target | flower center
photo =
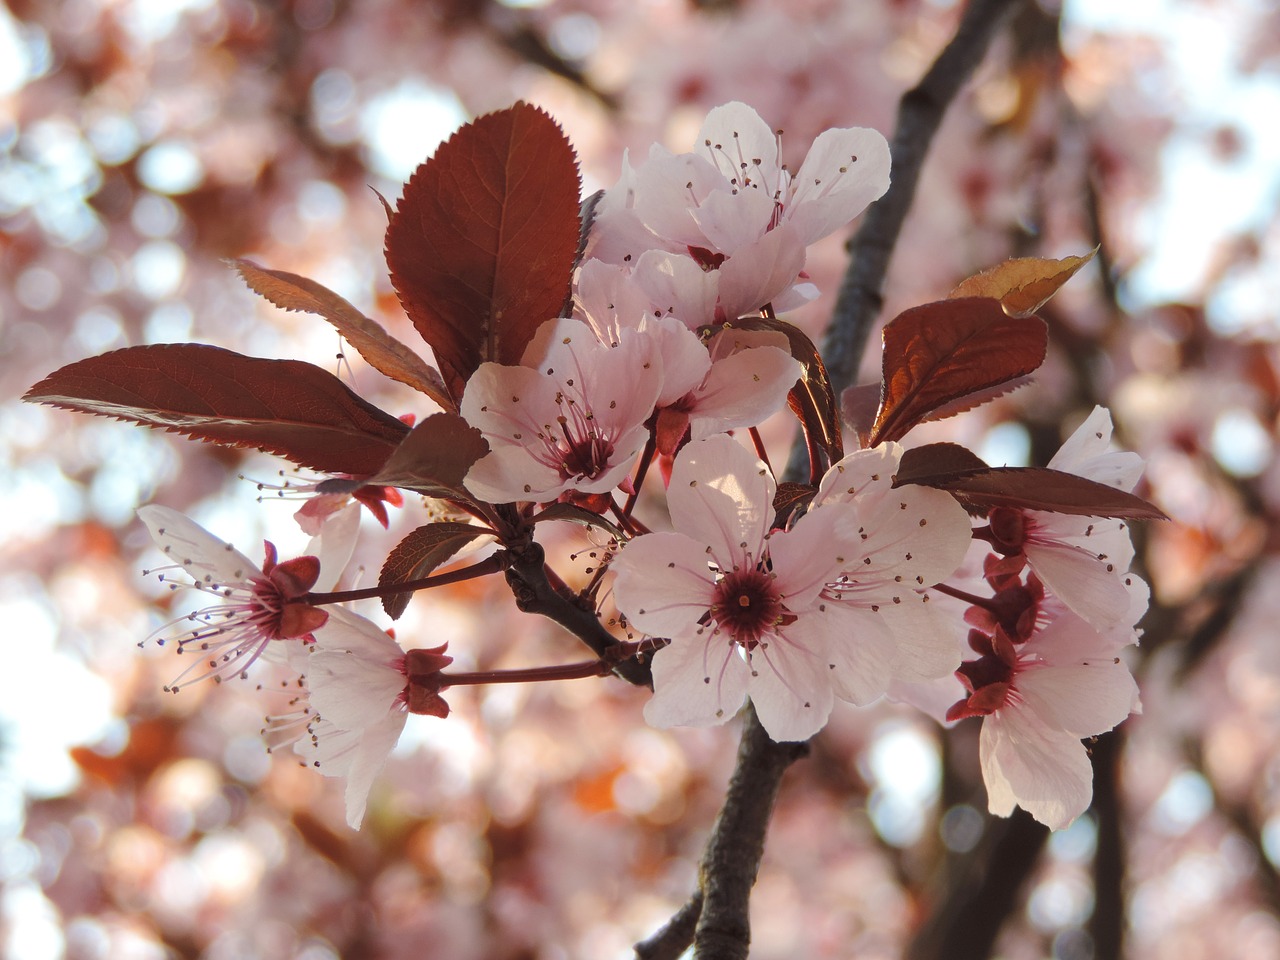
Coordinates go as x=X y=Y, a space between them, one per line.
x=585 y=455
x=747 y=605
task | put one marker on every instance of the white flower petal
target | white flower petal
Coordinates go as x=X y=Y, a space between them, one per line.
x=844 y=171
x=722 y=496
x=697 y=682
x=1081 y=581
x=205 y=558
x=663 y=584
x=791 y=689
x=1045 y=772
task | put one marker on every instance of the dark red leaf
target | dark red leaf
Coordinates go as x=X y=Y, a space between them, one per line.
x=482 y=244
x=789 y=496
x=938 y=353
x=286 y=407
x=936 y=460
x=434 y=458
x=1030 y=488
x=420 y=553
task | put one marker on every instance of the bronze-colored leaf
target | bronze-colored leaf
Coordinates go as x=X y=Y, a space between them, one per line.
x=1022 y=285
x=383 y=352
x=286 y=407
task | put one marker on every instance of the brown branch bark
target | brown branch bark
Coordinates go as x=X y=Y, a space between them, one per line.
x=919 y=114
x=732 y=857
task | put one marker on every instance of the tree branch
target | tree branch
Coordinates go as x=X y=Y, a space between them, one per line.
x=919 y=114
x=533 y=592
x=732 y=857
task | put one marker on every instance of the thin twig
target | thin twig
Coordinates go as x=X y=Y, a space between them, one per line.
x=534 y=593
x=676 y=936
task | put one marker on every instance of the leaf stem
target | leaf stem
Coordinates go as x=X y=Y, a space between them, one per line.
x=491 y=564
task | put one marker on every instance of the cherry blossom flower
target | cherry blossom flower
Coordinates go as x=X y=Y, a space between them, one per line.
x=1038 y=700
x=743 y=606
x=1083 y=560
x=257 y=605
x=909 y=539
x=720 y=232
x=573 y=425
x=361 y=688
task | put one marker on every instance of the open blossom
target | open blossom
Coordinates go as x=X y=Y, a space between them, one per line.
x=255 y=605
x=572 y=422
x=726 y=225
x=743 y=606
x=909 y=538
x=1083 y=560
x=361 y=688
x=1038 y=700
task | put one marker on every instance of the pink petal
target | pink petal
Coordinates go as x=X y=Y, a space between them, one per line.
x=832 y=188
x=663 y=584
x=697 y=682
x=205 y=558
x=721 y=495
x=742 y=390
x=791 y=689
x=1081 y=581
x=1047 y=773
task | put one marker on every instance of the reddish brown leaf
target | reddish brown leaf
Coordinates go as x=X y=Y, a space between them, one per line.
x=789 y=496
x=434 y=458
x=576 y=514
x=938 y=353
x=1023 y=285
x=383 y=352
x=420 y=553
x=286 y=407
x=932 y=460
x=1029 y=488
x=482 y=243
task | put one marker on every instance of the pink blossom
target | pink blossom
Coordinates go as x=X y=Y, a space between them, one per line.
x=570 y=422
x=1038 y=700
x=719 y=232
x=256 y=605
x=361 y=688
x=1082 y=560
x=908 y=539
x=743 y=606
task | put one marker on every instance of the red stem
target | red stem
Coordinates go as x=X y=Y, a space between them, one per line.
x=492 y=564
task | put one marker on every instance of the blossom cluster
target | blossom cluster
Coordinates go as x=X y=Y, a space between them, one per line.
x=669 y=352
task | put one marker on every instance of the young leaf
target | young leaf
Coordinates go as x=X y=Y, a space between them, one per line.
x=383 y=352
x=421 y=552
x=286 y=407
x=482 y=244
x=1023 y=285
x=435 y=457
x=950 y=467
x=938 y=353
